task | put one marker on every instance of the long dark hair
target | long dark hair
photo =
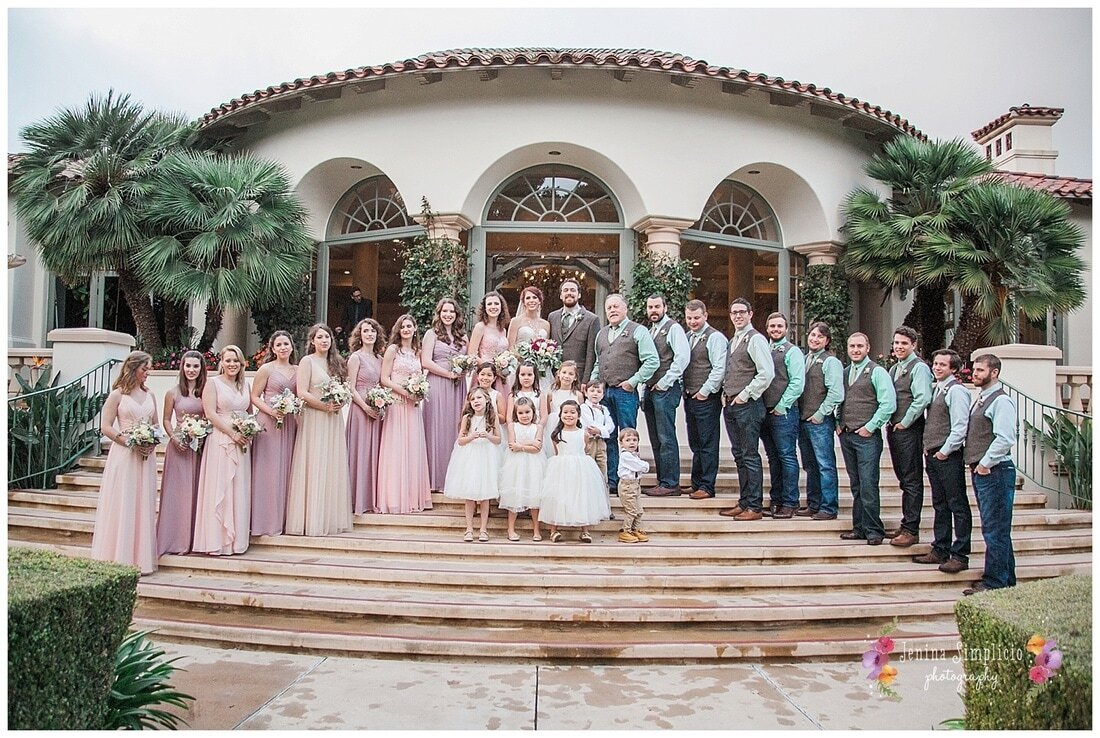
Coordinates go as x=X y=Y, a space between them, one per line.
x=458 y=328
x=395 y=333
x=270 y=349
x=200 y=381
x=535 y=386
x=468 y=411
x=502 y=319
x=337 y=369
x=556 y=435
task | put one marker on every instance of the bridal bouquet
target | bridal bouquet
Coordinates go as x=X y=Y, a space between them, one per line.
x=336 y=391
x=544 y=353
x=380 y=398
x=505 y=363
x=192 y=431
x=143 y=433
x=285 y=403
x=247 y=425
x=417 y=386
x=464 y=363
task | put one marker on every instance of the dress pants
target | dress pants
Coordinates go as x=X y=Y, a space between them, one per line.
x=660 y=407
x=995 y=492
x=704 y=438
x=780 y=436
x=743 y=426
x=623 y=407
x=861 y=458
x=952 y=510
x=907 y=456
x=815 y=441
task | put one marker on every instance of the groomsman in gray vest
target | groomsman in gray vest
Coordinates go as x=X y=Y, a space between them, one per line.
x=990 y=436
x=625 y=359
x=703 y=397
x=662 y=395
x=780 y=430
x=749 y=371
x=869 y=402
x=575 y=328
x=944 y=433
x=905 y=432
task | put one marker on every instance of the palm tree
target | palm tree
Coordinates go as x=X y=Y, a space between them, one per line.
x=1010 y=251
x=235 y=234
x=887 y=237
x=83 y=187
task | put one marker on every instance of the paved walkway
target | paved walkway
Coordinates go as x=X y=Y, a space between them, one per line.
x=269 y=690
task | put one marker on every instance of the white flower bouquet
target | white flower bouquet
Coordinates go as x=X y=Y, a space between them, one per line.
x=143 y=433
x=285 y=403
x=544 y=353
x=336 y=392
x=192 y=431
x=505 y=363
x=247 y=425
x=464 y=363
x=417 y=386
x=380 y=398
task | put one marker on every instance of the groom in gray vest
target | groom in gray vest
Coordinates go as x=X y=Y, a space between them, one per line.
x=575 y=328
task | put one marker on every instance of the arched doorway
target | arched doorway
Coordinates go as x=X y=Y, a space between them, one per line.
x=549 y=223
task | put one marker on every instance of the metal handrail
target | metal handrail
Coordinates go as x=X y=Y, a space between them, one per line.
x=1054 y=449
x=50 y=428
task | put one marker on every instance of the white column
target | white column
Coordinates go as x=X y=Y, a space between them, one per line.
x=1030 y=369
x=820 y=252
x=445 y=225
x=663 y=234
x=77 y=350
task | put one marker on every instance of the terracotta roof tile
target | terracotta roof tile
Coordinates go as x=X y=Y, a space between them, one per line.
x=1024 y=111
x=638 y=58
x=1069 y=188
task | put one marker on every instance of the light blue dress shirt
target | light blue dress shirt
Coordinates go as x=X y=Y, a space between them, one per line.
x=958 y=410
x=681 y=352
x=1002 y=413
x=716 y=352
x=761 y=356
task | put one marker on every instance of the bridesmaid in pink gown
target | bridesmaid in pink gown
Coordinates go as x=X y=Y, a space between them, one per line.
x=490 y=334
x=225 y=475
x=444 y=340
x=179 y=483
x=403 y=484
x=364 y=431
x=273 y=449
x=125 y=516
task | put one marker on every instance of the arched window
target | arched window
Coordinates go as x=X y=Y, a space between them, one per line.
x=372 y=205
x=553 y=193
x=734 y=210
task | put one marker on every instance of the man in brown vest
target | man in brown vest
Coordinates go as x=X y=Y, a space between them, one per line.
x=905 y=432
x=662 y=395
x=703 y=397
x=780 y=429
x=575 y=328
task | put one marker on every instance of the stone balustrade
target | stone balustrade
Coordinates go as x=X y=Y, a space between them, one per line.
x=1074 y=387
x=29 y=363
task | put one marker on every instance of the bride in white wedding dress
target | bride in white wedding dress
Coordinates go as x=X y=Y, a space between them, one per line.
x=529 y=325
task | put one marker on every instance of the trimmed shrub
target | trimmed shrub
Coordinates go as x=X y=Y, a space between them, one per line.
x=66 y=619
x=995 y=628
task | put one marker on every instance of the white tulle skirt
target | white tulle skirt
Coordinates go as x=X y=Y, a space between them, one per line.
x=573 y=492
x=473 y=472
x=521 y=480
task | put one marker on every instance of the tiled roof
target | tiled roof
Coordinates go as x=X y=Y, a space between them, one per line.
x=1069 y=188
x=643 y=59
x=1024 y=111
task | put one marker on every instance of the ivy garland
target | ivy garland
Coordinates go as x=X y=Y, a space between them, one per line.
x=657 y=273
x=433 y=268
x=825 y=297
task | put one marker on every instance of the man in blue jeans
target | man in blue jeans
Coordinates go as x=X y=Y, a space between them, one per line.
x=703 y=397
x=662 y=395
x=625 y=358
x=824 y=390
x=749 y=371
x=780 y=430
x=990 y=436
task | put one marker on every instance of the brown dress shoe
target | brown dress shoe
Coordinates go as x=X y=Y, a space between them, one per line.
x=904 y=539
x=662 y=492
x=930 y=558
x=731 y=512
x=822 y=516
x=979 y=586
x=783 y=513
x=892 y=533
x=750 y=515
x=953 y=566
x=700 y=494
x=805 y=512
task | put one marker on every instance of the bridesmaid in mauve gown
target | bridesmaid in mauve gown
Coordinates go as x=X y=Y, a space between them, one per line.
x=179 y=484
x=273 y=449
x=225 y=475
x=364 y=431
x=125 y=516
x=320 y=494
x=403 y=484
x=444 y=340
x=490 y=334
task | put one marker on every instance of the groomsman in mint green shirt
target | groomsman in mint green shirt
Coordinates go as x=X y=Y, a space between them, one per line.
x=905 y=432
x=780 y=429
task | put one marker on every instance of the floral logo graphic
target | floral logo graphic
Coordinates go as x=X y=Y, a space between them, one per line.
x=877 y=660
x=1048 y=659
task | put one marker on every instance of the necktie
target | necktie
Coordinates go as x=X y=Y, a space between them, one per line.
x=567 y=321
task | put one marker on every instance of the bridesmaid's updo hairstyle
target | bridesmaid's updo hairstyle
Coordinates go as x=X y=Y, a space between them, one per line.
x=127 y=380
x=269 y=354
x=395 y=333
x=355 y=340
x=458 y=328
x=502 y=319
x=239 y=381
x=556 y=435
x=200 y=381
x=337 y=369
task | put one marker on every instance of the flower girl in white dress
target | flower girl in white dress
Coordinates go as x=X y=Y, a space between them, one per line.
x=565 y=387
x=472 y=474
x=524 y=467
x=573 y=491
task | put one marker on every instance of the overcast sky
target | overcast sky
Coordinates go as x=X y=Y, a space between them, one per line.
x=947 y=71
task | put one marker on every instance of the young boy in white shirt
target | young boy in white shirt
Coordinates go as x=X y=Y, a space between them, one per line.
x=598 y=426
x=631 y=467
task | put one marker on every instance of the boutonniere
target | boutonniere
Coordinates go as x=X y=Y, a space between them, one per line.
x=663 y=333
x=866 y=370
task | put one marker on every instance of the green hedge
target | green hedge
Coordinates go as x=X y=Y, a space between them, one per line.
x=995 y=628
x=66 y=619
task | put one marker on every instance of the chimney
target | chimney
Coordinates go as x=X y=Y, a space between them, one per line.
x=1020 y=140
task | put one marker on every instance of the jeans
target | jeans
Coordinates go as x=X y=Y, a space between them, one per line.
x=780 y=436
x=996 y=492
x=660 y=418
x=815 y=441
x=952 y=509
x=907 y=456
x=743 y=426
x=861 y=459
x=623 y=407
x=704 y=438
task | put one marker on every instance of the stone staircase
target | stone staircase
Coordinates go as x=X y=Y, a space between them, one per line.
x=704 y=588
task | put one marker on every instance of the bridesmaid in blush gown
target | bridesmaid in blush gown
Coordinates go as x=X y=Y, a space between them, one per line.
x=320 y=493
x=364 y=431
x=490 y=334
x=444 y=340
x=179 y=484
x=225 y=474
x=403 y=483
x=273 y=449
x=125 y=516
